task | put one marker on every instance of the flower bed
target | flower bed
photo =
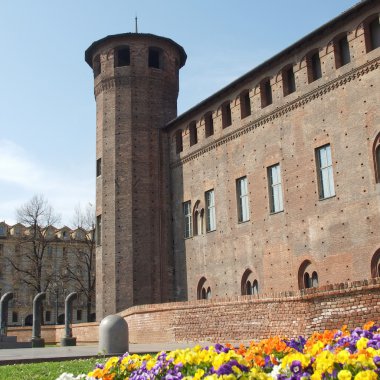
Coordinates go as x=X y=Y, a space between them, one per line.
x=336 y=354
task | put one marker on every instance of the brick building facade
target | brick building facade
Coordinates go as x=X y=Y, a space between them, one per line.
x=270 y=184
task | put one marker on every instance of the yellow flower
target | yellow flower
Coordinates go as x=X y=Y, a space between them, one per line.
x=198 y=375
x=366 y=375
x=111 y=362
x=343 y=357
x=361 y=344
x=344 y=375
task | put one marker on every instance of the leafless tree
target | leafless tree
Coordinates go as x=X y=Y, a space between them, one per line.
x=80 y=271
x=31 y=259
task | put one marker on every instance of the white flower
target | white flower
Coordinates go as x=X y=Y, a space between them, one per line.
x=70 y=376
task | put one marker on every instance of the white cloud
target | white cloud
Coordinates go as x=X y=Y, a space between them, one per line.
x=22 y=176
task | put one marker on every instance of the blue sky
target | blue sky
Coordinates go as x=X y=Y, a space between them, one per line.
x=47 y=107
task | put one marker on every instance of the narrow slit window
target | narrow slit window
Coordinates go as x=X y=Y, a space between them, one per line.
x=276 y=202
x=242 y=199
x=325 y=172
x=99 y=230
x=98 y=167
x=209 y=124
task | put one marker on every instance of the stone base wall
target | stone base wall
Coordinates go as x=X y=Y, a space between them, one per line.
x=239 y=319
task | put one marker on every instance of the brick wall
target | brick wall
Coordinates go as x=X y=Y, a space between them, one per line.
x=240 y=318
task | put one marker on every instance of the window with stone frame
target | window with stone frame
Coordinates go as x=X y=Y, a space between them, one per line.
x=325 y=172
x=186 y=206
x=242 y=199
x=210 y=210
x=276 y=203
x=203 y=290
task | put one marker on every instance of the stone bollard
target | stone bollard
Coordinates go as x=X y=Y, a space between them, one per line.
x=4 y=312
x=113 y=335
x=68 y=339
x=36 y=340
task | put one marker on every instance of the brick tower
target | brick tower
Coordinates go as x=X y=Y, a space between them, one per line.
x=136 y=89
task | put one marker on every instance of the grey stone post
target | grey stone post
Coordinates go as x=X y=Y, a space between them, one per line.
x=113 y=335
x=68 y=339
x=37 y=341
x=4 y=312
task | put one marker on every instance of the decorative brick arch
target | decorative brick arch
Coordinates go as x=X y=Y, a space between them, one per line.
x=307 y=275
x=375 y=264
x=249 y=284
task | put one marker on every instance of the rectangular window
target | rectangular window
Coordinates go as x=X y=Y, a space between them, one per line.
x=245 y=104
x=342 y=52
x=314 y=67
x=210 y=211
x=79 y=315
x=193 y=133
x=242 y=199
x=14 y=316
x=325 y=172
x=187 y=218
x=209 y=124
x=226 y=115
x=99 y=230
x=154 y=58
x=266 y=93
x=48 y=316
x=275 y=189
x=178 y=141
x=288 y=80
x=98 y=167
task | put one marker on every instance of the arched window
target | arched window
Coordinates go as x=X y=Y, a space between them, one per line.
x=307 y=275
x=375 y=264
x=198 y=214
x=203 y=291
x=376 y=158
x=249 y=285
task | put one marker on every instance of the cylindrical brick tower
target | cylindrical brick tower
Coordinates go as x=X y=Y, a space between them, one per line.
x=136 y=89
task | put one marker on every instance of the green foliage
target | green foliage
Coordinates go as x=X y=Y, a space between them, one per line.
x=47 y=370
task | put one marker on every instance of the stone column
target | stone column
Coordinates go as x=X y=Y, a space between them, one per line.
x=68 y=339
x=37 y=341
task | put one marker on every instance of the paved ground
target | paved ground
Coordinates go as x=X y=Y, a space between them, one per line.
x=34 y=355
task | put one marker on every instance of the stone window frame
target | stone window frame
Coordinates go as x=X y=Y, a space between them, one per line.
x=210 y=210
x=325 y=172
x=249 y=284
x=187 y=218
x=276 y=196
x=242 y=199
x=308 y=275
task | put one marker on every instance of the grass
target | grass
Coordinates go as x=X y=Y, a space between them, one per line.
x=47 y=370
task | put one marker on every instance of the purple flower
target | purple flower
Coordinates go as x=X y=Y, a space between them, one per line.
x=99 y=365
x=296 y=366
x=376 y=360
